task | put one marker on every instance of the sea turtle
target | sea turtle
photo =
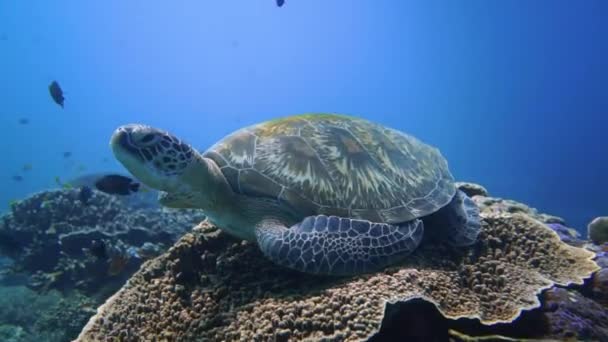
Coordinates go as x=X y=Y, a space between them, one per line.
x=318 y=193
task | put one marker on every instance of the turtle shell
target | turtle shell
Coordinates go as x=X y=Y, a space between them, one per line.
x=336 y=165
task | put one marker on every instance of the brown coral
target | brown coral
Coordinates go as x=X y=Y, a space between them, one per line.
x=211 y=287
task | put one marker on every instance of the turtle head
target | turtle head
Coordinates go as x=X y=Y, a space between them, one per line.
x=158 y=159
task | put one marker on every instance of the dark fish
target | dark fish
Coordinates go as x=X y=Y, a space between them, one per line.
x=145 y=197
x=98 y=249
x=117 y=185
x=67 y=154
x=56 y=93
x=85 y=194
x=280 y=2
x=24 y=121
x=27 y=167
x=17 y=178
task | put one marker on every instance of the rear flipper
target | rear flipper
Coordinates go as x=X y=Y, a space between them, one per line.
x=337 y=246
x=458 y=222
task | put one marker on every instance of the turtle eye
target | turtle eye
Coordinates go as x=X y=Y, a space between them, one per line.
x=147 y=138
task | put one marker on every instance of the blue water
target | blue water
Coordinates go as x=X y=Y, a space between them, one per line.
x=514 y=93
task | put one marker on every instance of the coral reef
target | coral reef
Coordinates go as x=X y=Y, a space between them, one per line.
x=211 y=287
x=598 y=230
x=12 y=333
x=63 y=242
x=27 y=315
x=488 y=204
x=500 y=205
x=74 y=251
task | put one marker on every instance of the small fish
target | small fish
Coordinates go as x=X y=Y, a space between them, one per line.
x=280 y=2
x=67 y=154
x=117 y=185
x=61 y=184
x=3 y=37
x=56 y=93
x=85 y=194
x=27 y=167
x=24 y=121
x=132 y=252
x=12 y=203
x=148 y=250
x=117 y=264
x=17 y=178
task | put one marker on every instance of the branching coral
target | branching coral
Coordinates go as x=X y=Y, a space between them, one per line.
x=48 y=233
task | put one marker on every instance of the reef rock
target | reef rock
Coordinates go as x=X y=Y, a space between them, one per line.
x=570 y=316
x=564 y=315
x=566 y=234
x=598 y=230
x=48 y=317
x=488 y=204
x=212 y=287
x=64 y=242
x=599 y=286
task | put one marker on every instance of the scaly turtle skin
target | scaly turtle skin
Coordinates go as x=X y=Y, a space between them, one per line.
x=319 y=193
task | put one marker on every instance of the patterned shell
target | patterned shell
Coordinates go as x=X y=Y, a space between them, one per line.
x=336 y=165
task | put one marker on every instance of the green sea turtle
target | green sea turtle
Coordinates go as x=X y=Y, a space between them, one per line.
x=319 y=193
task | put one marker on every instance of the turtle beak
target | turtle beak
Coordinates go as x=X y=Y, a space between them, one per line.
x=125 y=146
x=122 y=144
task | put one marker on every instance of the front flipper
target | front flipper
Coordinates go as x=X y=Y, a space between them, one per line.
x=458 y=222
x=337 y=246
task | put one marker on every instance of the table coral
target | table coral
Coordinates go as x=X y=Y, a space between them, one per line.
x=211 y=287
